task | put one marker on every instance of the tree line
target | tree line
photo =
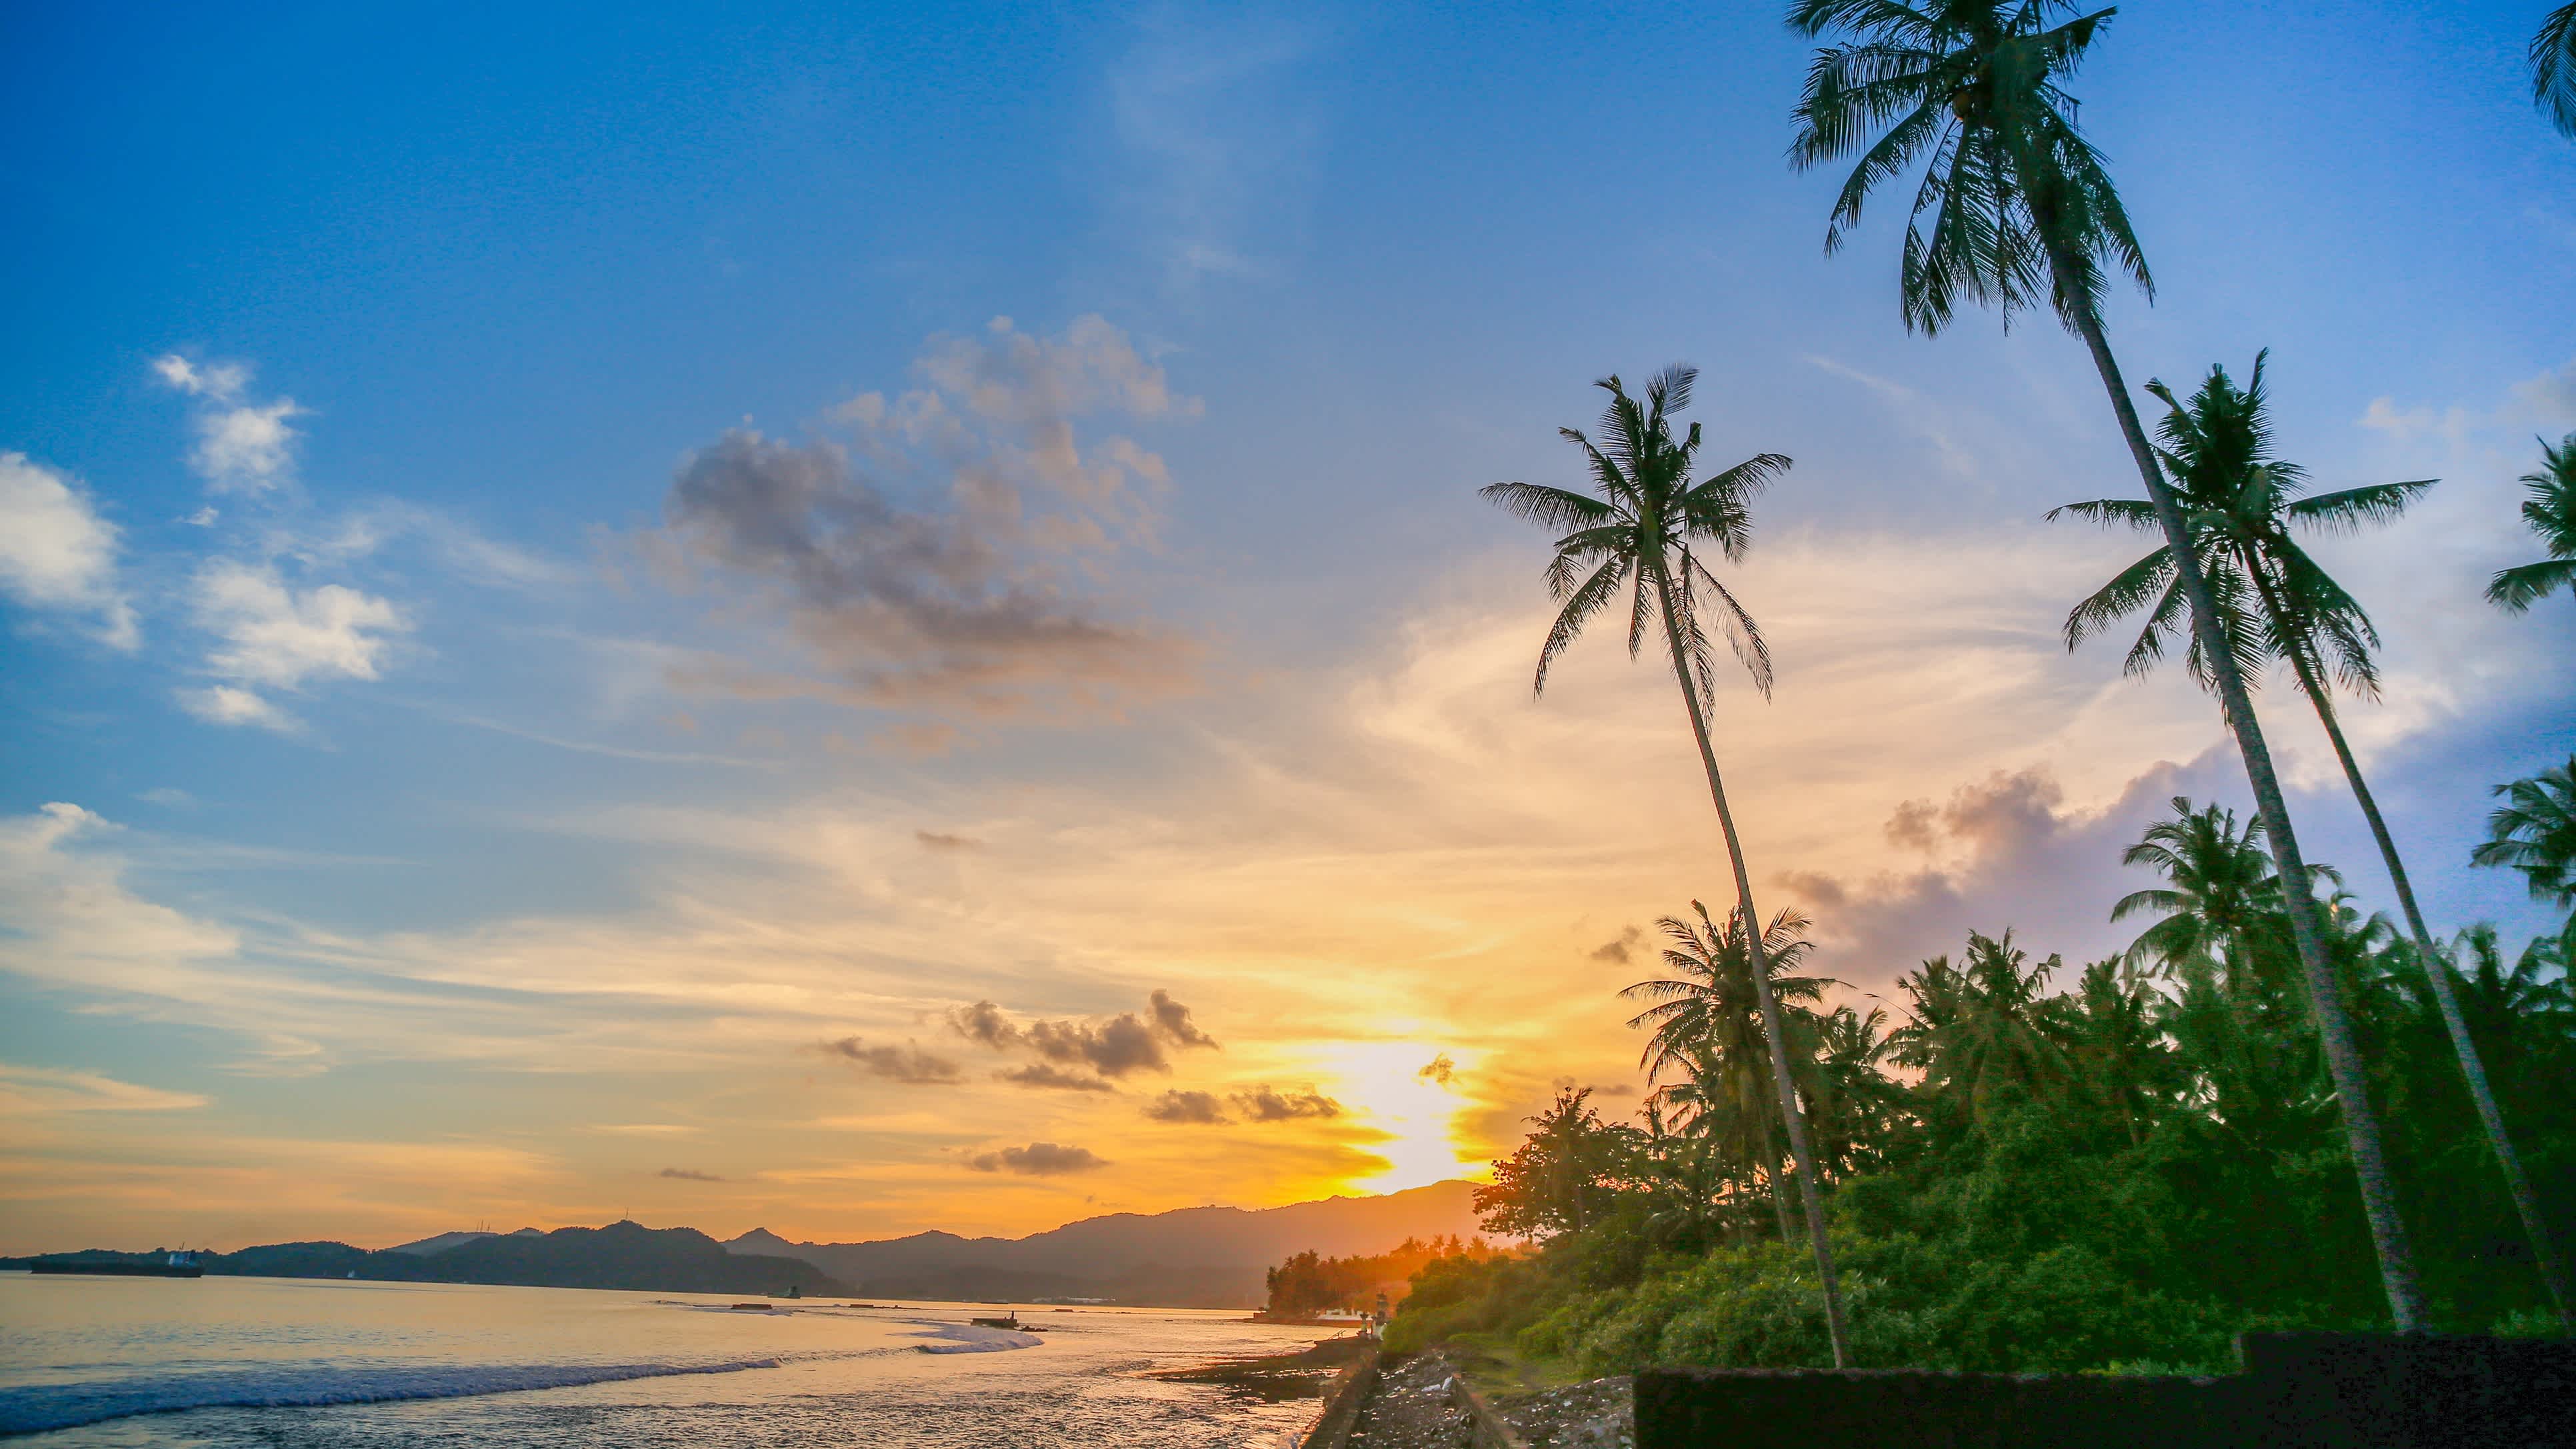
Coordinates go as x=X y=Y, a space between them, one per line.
x=2015 y=209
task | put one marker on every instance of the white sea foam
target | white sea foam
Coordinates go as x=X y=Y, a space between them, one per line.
x=973 y=1338
x=38 y=1408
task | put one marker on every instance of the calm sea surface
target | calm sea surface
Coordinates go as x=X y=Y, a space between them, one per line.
x=287 y=1363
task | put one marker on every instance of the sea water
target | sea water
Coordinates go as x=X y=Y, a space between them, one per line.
x=319 y=1364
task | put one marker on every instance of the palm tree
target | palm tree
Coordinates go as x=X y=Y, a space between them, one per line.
x=1646 y=528
x=2535 y=833
x=2243 y=503
x=2550 y=511
x=2022 y=211
x=1707 y=1022
x=2553 y=68
x=1990 y=1030
x=2219 y=893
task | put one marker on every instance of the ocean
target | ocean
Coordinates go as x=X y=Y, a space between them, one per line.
x=316 y=1364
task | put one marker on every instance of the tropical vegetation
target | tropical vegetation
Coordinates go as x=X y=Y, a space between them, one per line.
x=2039 y=1167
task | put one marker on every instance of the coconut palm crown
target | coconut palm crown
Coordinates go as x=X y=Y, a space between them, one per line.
x=2553 y=68
x=2550 y=512
x=1648 y=527
x=1969 y=89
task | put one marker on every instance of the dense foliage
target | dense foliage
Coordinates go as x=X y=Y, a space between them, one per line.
x=1309 y=1284
x=2039 y=1167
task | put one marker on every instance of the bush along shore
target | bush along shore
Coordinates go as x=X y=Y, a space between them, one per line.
x=2031 y=1167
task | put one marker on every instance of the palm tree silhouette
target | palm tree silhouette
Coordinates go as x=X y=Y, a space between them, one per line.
x=2244 y=503
x=2553 y=68
x=2022 y=212
x=1707 y=1023
x=2535 y=832
x=1642 y=529
x=2550 y=511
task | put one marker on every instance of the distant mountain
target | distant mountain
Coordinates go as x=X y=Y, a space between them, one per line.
x=1208 y=1257
x=621 y=1255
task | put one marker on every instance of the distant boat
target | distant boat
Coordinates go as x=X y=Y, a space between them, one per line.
x=176 y=1265
x=1009 y=1320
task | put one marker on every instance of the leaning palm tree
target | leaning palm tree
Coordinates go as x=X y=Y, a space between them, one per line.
x=2550 y=511
x=2553 y=68
x=2022 y=213
x=2535 y=832
x=2244 y=504
x=1645 y=529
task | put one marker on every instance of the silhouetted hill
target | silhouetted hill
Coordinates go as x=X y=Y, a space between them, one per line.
x=621 y=1255
x=1208 y=1257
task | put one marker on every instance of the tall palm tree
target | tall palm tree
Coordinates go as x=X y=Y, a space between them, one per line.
x=2022 y=212
x=2553 y=68
x=2535 y=832
x=1644 y=528
x=2244 y=504
x=2550 y=511
x=2219 y=890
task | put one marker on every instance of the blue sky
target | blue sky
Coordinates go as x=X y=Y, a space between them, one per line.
x=443 y=790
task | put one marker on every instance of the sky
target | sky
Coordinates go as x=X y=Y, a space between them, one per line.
x=871 y=618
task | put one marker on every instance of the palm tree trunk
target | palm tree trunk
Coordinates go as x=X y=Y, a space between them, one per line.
x=1790 y=1117
x=2472 y=1069
x=2325 y=994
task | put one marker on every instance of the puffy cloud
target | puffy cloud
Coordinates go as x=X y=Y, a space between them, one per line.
x=1041 y=1074
x=1038 y=1159
x=271 y=633
x=905 y=1063
x=983 y=1022
x=1199 y=1108
x=1619 y=950
x=1114 y=1046
x=1172 y=1020
x=933 y=609
x=1438 y=1071
x=687 y=1174
x=241 y=445
x=1261 y=1104
x=56 y=552
x=923 y=566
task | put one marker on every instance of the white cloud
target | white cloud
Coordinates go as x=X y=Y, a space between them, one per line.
x=70 y=918
x=272 y=634
x=242 y=446
x=225 y=704
x=56 y=552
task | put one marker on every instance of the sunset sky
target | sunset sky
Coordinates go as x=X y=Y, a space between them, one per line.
x=875 y=617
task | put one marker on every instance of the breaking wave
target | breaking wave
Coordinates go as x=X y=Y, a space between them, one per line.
x=43 y=1407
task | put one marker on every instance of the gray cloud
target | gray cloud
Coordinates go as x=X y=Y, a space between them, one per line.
x=1618 y=952
x=1041 y=1074
x=1038 y=1159
x=983 y=1022
x=1264 y=1105
x=1115 y=1046
x=2006 y=851
x=688 y=1174
x=940 y=840
x=931 y=567
x=1200 y=1108
x=905 y=1063
x=1173 y=1020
